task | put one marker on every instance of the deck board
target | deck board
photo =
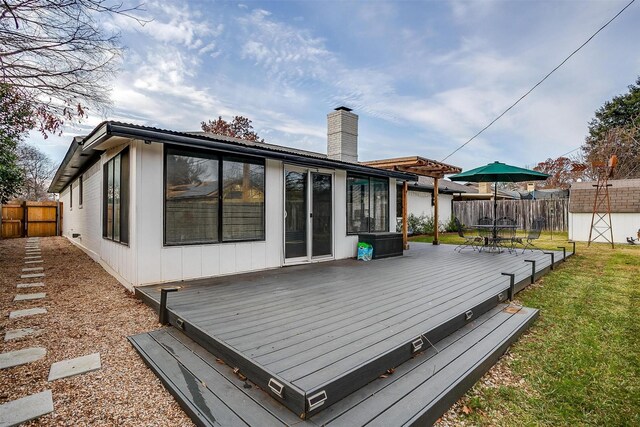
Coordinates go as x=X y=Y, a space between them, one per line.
x=312 y=324
x=417 y=393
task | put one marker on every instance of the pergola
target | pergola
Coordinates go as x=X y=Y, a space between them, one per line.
x=419 y=166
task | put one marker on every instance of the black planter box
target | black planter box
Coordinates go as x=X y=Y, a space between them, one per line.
x=384 y=244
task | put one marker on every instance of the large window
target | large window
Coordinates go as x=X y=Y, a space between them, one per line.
x=211 y=198
x=367 y=204
x=115 y=198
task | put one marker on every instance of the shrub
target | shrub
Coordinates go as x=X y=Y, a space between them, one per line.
x=422 y=224
x=451 y=225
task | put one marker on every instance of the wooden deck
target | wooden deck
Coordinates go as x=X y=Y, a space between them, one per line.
x=328 y=329
x=417 y=393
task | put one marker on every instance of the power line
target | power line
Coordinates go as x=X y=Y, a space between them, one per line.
x=541 y=81
x=569 y=152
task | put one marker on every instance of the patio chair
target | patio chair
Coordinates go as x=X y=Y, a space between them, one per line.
x=470 y=241
x=507 y=233
x=485 y=233
x=533 y=234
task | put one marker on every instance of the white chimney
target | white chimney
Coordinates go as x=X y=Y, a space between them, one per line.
x=531 y=187
x=342 y=135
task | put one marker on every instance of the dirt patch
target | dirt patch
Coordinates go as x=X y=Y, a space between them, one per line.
x=88 y=311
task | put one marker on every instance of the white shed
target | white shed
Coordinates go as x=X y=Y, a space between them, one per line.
x=625 y=209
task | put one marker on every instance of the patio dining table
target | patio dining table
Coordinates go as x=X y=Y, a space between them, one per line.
x=492 y=242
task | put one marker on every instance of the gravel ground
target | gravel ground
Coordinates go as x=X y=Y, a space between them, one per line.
x=88 y=312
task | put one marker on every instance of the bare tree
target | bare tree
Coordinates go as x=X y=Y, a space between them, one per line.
x=37 y=169
x=59 y=56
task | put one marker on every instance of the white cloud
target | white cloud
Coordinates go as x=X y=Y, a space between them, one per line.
x=174 y=23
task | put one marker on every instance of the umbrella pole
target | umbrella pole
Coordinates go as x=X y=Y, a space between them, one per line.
x=495 y=210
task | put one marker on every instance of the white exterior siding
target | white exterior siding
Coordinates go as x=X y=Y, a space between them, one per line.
x=624 y=225
x=146 y=260
x=419 y=203
x=86 y=221
x=158 y=263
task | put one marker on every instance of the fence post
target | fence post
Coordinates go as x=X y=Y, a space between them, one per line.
x=25 y=220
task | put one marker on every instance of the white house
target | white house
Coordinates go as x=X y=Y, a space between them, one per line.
x=155 y=205
x=420 y=198
x=624 y=196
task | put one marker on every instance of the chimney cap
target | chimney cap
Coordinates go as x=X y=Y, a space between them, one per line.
x=343 y=108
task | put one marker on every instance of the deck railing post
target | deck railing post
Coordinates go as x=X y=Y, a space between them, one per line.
x=564 y=253
x=512 y=284
x=164 y=314
x=553 y=255
x=533 y=269
x=574 y=247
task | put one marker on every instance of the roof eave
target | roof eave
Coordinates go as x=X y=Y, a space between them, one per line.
x=207 y=142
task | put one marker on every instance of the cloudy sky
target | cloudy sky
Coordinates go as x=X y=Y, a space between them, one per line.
x=424 y=76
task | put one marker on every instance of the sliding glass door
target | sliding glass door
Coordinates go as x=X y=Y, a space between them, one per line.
x=308 y=215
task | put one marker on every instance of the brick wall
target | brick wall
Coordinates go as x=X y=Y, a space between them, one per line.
x=624 y=195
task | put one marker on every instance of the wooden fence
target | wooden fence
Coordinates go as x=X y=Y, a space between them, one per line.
x=31 y=219
x=554 y=211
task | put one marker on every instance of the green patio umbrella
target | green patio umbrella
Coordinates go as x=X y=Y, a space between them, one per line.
x=498 y=172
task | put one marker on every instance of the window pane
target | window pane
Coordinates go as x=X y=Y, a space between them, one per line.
x=357 y=204
x=116 y=198
x=379 y=204
x=242 y=200
x=295 y=211
x=322 y=220
x=191 y=208
x=110 y=200
x=105 y=198
x=80 y=191
x=124 y=196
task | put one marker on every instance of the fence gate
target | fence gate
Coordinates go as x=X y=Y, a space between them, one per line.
x=31 y=219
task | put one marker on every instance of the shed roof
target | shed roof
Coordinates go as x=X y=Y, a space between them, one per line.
x=624 y=195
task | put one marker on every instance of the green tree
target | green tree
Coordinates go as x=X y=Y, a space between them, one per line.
x=615 y=130
x=16 y=119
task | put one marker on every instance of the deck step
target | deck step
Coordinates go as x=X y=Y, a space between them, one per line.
x=417 y=393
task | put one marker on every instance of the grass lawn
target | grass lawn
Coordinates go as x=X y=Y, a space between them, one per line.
x=579 y=364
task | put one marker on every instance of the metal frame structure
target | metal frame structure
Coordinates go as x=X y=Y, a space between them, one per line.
x=601 y=216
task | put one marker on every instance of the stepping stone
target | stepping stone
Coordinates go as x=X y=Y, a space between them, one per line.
x=29 y=297
x=34 y=262
x=30 y=285
x=27 y=408
x=33 y=252
x=77 y=366
x=33 y=269
x=31 y=276
x=33 y=257
x=21 y=357
x=28 y=312
x=15 y=334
